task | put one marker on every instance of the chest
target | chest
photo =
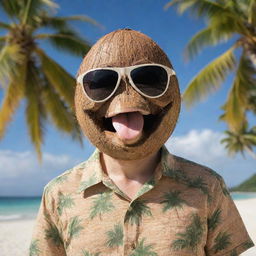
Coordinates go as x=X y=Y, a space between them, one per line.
x=105 y=223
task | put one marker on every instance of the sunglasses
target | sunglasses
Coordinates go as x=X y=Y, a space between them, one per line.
x=150 y=80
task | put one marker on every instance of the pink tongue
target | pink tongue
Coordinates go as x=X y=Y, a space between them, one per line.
x=128 y=125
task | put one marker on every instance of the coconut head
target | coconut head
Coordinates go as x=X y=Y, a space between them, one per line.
x=128 y=125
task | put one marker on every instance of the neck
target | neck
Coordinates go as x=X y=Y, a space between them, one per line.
x=139 y=169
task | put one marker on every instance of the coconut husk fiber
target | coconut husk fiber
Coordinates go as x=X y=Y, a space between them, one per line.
x=123 y=48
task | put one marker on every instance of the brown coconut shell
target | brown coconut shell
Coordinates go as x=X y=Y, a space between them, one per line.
x=119 y=49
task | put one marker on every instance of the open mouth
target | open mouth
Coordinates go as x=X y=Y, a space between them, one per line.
x=127 y=120
x=150 y=122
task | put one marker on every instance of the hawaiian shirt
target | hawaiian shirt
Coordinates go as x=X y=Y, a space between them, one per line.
x=185 y=209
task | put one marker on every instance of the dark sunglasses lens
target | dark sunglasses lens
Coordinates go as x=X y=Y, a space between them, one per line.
x=99 y=84
x=150 y=80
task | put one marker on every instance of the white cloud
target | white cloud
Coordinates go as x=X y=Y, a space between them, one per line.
x=204 y=147
x=21 y=173
x=201 y=146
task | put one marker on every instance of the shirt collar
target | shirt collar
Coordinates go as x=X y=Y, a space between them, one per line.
x=93 y=172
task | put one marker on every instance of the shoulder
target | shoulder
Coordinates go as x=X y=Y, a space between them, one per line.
x=196 y=175
x=67 y=182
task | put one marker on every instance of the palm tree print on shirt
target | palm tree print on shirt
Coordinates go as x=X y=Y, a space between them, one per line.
x=115 y=236
x=233 y=253
x=58 y=180
x=143 y=249
x=52 y=232
x=86 y=253
x=65 y=201
x=74 y=228
x=221 y=242
x=214 y=220
x=192 y=236
x=33 y=249
x=137 y=209
x=101 y=204
x=172 y=200
x=85 y=184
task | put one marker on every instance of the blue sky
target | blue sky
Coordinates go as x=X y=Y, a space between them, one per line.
x=197 y=133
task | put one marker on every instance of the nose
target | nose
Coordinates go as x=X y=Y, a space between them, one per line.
x=128 y=87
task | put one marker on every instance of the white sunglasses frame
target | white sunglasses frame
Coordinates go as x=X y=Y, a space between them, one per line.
x=126 y=71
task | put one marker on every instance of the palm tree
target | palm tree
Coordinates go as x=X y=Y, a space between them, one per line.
x=232 y=20
x=172 y=200
x=221 y=242
x=191 y=237
x=27 y=72
x=214 y=220
x=74 y=228
x=86 y=253
x=53 y=233
x=143 y=250
x=137 y=209
x=33 y=249
x=115 y=236
x=58 y=180
x=240 y=141
x=199 y=183
x=101 y=204
x=64 y=201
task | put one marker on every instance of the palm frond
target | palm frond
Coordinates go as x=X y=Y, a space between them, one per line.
x=228 y=25
x=209 y=79
x=136 y=211
x=182 y=5
x=143 y=249
x=251 y=12
x=62 y=23
x=11 y=8
x=33 y=9
x=192 y=236
x=172 y=200
x=214 y=220
x=83 y=18
x=10 y=57
x=115 y=236
x=67 y=41
x=200 y=7
x=205 y=37
x=221 y=242
x=64 y=201
x=101 y=204
x=52 y=233
x=60 y=79
x=61 y=114
x=34 y=248
x=74 y=227
x=35 y=112
x=13 y=94
x=5 y=25
x=237 y=101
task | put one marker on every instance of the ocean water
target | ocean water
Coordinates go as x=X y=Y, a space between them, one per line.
x=242 y=195
x=14 y=208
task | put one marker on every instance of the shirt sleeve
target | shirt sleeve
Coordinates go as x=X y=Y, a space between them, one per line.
x=227 y=235
x=47 y=239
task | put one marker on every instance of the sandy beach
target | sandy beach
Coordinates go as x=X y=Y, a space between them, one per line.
x=15 y=235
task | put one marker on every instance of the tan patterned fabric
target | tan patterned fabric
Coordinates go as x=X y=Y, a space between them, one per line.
x=185 y=209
